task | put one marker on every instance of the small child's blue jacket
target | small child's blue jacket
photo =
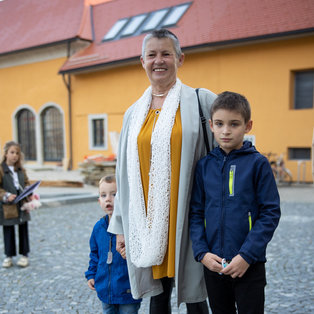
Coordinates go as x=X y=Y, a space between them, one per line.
x=236 y=197
x=111 y=280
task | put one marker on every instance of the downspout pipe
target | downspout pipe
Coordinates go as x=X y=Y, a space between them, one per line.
x=67 y=82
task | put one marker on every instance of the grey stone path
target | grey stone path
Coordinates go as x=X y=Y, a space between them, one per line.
x=54 y=282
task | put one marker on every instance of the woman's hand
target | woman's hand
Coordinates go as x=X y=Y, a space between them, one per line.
x=91 y=283
x=120 y=246
x=237 y=267
x=212 y=262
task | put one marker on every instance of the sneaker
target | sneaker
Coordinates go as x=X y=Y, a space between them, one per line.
x=7 y=262
x=23 y=261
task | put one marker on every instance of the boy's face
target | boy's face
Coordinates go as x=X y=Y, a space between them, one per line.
x=107 y=192
x=229 y=129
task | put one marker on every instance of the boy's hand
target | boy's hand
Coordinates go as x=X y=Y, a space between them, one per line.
x=120 y=246
x=237 y=267
x=91 y=284
x=212 y=262
x=123 y=253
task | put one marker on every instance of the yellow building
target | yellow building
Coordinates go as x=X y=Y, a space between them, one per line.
x=66 y=86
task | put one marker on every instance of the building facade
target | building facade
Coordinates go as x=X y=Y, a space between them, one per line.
x=65 y=100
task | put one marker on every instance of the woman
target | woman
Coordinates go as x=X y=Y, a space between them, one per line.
x=160 y=142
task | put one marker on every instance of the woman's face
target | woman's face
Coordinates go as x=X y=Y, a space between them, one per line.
x=161 y=62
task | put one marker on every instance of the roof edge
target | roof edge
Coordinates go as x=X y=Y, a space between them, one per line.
x=65 y=41
x=266 y=37
x=232 y=42
x=101 y=66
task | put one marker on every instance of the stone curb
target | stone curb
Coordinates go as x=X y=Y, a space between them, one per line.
x=67 y=199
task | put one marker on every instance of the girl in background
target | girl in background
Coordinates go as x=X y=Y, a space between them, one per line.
x=13 y=180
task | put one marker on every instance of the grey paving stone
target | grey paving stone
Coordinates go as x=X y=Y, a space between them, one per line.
x=54 y=282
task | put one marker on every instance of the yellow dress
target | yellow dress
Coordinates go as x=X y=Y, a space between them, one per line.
x=167 y=268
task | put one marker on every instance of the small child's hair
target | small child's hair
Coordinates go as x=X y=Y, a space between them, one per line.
x=233 y=102
x=111 y=178
x=6 y=148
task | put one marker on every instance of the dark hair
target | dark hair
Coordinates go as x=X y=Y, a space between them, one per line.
x=6 y=148
x=162 y=33
x=111 y=178
x=233 y=102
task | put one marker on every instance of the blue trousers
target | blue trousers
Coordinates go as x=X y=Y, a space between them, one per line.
x=121 y=308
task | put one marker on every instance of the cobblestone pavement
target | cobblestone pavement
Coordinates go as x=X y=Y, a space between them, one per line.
x=54 y=282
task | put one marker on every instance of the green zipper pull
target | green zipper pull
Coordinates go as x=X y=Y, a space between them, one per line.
x=250 y=221
x=231 y=179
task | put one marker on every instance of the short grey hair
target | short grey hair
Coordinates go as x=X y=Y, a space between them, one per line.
x=162 y=33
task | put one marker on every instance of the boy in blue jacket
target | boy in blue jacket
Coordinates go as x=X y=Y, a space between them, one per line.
x=107 y=272
x=235 y=209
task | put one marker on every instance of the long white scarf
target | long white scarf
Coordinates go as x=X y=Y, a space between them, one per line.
x=148 y=233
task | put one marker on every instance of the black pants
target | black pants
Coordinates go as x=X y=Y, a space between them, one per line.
x=247 y=294
x=9 y=240
x=161 y=303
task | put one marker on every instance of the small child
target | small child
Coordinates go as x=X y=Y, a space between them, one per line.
x=107 y=272
x=13 y=180
x=235 y=194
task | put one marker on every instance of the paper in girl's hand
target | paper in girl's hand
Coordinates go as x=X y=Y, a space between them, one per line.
x=27 y=191
x=33 y=204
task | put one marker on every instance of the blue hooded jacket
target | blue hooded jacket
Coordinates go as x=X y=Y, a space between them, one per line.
x=235 y=206
x=111 y=279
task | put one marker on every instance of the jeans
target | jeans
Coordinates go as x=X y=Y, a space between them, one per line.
x=121 y=308
x=243 y=295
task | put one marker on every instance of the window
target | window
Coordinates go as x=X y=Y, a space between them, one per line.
x=303 y=89
x=52 y=128
x=154 y=20
x=299 y=153
x=97 y=129
x=26 y=133
x=175 y=15
x=136 y=25
x=115 y=29
x=133 y=25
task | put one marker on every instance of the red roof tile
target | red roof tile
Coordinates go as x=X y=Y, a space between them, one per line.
x=206 y=22
x=26 y=24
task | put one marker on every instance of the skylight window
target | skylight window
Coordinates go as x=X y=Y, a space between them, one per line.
x=155 y=19
x=115 y=29
x=133 y=25
x=136 y=25
x=175 y=15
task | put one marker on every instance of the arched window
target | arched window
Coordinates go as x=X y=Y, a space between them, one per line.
x=26 y=133
x=52 y=128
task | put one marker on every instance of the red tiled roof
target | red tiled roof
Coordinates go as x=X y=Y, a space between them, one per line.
x=206 y=22
x=32 y=23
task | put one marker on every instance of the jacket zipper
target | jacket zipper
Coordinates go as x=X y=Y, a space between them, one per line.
x=222 y=208
x=109 y=267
